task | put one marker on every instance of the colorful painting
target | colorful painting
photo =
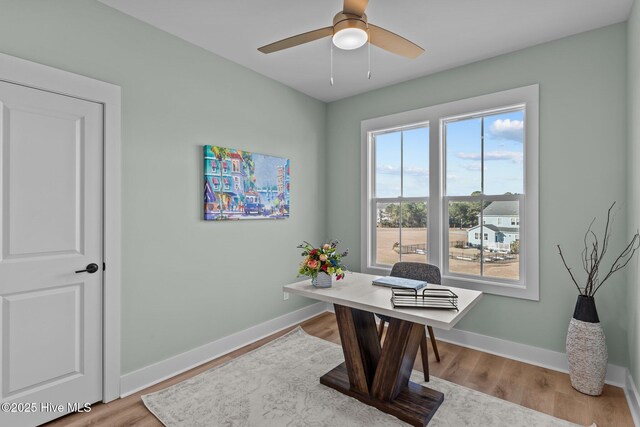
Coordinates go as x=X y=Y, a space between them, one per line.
x=243 y=185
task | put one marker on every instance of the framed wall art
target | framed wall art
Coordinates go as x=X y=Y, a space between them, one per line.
x=243 y=185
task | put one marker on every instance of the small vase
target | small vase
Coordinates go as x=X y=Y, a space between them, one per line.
x=586 y=348
x=322 y=280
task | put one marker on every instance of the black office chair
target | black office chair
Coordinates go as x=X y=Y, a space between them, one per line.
x=416 y=271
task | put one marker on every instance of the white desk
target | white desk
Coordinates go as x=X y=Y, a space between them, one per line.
x=356 y=291
x=376 y=375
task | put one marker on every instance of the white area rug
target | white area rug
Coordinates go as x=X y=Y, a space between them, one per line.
x=278 y=385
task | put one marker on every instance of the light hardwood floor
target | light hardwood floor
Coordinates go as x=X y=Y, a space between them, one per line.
x=531 y=386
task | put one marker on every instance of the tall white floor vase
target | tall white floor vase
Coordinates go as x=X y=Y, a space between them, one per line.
x=586 y=348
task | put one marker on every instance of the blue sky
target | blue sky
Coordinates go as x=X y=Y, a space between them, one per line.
x=503 y=155
x=416 y=163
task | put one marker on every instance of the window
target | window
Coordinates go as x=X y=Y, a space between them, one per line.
x=439 y=180
x=214 y=167
x=484 y=169
x=400 y=195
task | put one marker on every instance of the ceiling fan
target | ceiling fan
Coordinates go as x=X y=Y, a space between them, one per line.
x=351 y=30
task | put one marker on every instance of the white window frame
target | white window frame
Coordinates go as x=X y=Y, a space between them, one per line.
x=528 y=285
x=400 y=199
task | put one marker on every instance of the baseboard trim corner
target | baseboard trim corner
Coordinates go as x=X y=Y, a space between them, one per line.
x=149 y=375
x=633 y=398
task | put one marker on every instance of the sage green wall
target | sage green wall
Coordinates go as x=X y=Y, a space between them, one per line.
x=633 y=115
x=185 y=282
x=582 y=170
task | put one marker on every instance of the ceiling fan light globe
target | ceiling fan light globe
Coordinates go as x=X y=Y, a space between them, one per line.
x=350 y=38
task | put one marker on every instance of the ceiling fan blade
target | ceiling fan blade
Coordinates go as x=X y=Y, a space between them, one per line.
x=297 y=40
x=394 y=43
x=355 y=7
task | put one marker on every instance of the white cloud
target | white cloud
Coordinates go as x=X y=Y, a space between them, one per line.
x=395 y=170
x=514 y=156
x=388 y=170
x=474 y=166
x=469 y=156
x=507 y=129
x=415 y=170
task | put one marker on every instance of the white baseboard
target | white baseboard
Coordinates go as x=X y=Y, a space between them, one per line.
x=633 y=398
x=616 y=375
x=160 y=371
x=153 y=374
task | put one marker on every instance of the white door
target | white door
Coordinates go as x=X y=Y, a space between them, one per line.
x=51 y=155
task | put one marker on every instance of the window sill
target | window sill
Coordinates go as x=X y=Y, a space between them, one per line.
x=486 y=286
x=377 y=270
x=495 y=288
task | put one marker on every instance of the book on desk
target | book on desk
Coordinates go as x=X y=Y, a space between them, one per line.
x=399 y=282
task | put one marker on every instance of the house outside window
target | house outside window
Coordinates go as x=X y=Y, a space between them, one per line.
x=438 y=178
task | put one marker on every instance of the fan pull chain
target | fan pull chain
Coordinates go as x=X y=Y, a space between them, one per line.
x=331 y=79
x=368 y=53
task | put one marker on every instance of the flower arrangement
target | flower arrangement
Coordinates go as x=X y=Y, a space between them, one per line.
x=325 y=259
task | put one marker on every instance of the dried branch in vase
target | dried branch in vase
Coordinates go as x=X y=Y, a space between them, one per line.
x=593 y=254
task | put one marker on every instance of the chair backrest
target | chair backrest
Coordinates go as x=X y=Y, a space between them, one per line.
x=417 y=271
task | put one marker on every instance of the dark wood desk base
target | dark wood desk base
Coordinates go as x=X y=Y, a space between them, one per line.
x=379 y=376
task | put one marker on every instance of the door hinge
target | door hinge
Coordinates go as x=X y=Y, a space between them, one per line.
x=104 y=266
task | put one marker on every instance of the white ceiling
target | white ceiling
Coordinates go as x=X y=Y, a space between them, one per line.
x=453 y=32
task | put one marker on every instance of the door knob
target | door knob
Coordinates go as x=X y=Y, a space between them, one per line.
x=91 y=268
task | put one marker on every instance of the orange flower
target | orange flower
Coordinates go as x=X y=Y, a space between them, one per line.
x=312 y=263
